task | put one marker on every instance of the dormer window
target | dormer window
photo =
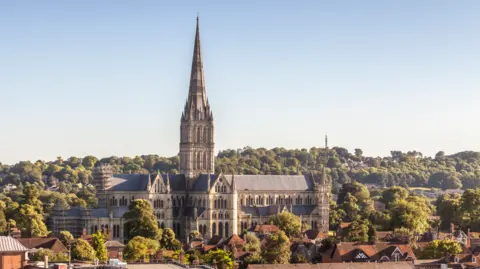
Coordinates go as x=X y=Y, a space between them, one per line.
x=474 y=259
x=455 y=259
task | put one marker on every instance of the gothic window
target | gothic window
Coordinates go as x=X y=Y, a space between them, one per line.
x=161 y=203
x=162 y=225
x=92 y=230
x=214 y=228
x=217 y=188
x=204 y=202
x=300 y=200
x=220 y=215
x=214 y=215
x=205 y=160
x=96 y=228
x=198 y=135
x=215 y=204
x=205 y=134
x=226 y=229
x=220 y=228
x=241 y=201
x=227 y=215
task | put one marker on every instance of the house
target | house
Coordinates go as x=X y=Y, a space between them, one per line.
x=363 y=265
x=263 y=230
x=35 y=243
x=114 y=249
x=13 y=255
x=360 y=252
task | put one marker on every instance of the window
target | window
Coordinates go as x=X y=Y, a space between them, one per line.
x=396 y=257
x=361 y=255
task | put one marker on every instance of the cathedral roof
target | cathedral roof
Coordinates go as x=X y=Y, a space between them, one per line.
x=269 y=210
x=129 y=182
x=273 y=182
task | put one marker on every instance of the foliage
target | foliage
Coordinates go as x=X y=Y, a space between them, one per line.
x=82 y=251
x=440 y=248
x=298 y=258
x=287 y=222
x=357 y=231
x=220 y=257
x=412 y=213
x=66 y=237
x=31 y=222
x=52 y=256
x=140 y=248
x=252 y=243
x=277 y=248
x=98 y=242
x=141 y=221
x=168 y=240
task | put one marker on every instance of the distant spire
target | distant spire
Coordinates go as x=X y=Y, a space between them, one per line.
x=323 y=181
x=197 y=97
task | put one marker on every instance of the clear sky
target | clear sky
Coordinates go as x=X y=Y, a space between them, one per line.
x=111 y=77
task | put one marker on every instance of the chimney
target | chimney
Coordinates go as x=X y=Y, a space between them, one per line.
x=45 y=261
x=452 y=228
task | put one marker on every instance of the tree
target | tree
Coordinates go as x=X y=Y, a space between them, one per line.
x=89 y=162
x=358 y=153
x=3 y=219
x=448 y=208
x=277 y=248
x=220 y=257
x=82 y=251
x=168 y=240
x=31 y=222
x=31 y=194
x=287 y=222
x=411 y=213
x=441 y=248
x=141 y=221
x=98 y=241
x=357 y=231
x=393 y=194
x=252 y=243
x=67 y=238
x=140 y=248
x=350 y=207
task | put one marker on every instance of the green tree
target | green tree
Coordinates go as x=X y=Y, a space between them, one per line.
x=393 y=194
x=141 y=221
x=140 y=248
x=350 y=207
x=220 y=257
x=89 y=162
x=412 y=213
x=440 y=248
x=357 y=231
x=82 y=251
x=67 y=238
x=277 y=248
x=287 y=222
x=31 y=222
x=168 y=240
x=448 y=208
x=98 y=242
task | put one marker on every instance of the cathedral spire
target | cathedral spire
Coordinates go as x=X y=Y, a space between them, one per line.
x=197 y=97
x=324 y=172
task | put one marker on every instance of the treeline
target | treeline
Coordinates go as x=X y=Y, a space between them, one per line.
x=410 y=169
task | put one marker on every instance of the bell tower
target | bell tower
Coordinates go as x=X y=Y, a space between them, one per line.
x=196 y=125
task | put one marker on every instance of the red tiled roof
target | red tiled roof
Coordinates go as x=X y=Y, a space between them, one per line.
x=266 y=228
x=346 y=251
x=344 y=225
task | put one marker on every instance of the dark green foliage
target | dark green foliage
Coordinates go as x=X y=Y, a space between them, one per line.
x=141 y=221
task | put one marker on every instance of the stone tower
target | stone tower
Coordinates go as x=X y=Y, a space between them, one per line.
x=101 y=181
x=321 y=197
x=196 y=128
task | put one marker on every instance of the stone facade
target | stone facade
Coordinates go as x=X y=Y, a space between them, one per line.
x=197 y=198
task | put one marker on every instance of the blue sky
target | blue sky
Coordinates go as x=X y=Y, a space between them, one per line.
x=111 y=77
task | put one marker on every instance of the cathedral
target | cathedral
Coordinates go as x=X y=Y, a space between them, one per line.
x=197 y=199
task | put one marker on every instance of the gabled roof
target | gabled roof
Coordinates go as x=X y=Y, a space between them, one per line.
x=10 y=244
x=114 y=244
x=129 y=182
x=346 y=251
x=272 y=182
x=51 y=243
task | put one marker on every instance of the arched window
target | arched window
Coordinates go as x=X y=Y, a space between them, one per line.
x=205 y=134
x=215 y=204
x=96 y=228
x=205 y=163
x=204 y=229
x=220 y=228
x=179 y=231
x=214 y=228
x=227 y=215
x=92 y=230
x=198 y=134
x=161 y=203
x=214 y=215
x=226 y=229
